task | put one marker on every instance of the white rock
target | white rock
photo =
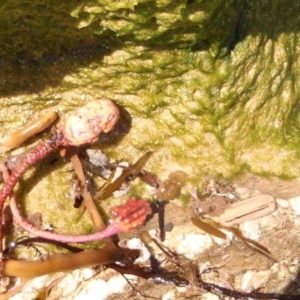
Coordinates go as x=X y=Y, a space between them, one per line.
x=251 y=229
x=136 y=243
x=117 y=283
x=295 y=204
x=254 y=280
x=32 y=289
x=282 y=203
x=97 y=289
x=188 y=240
x=170 y=295
x=72 y=280
x=209 y=296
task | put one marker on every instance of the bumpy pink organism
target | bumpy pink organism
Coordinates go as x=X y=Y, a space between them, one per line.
x=86 y=124
x=131 y=215
x=126 y=217
x=82 y=127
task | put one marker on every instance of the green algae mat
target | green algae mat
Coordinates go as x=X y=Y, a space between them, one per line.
x=211 y=86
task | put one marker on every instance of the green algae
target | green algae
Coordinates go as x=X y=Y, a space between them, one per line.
x=212 y=88
x=35 y=27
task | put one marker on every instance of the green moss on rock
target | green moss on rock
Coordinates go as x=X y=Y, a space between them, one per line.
x=35 y=28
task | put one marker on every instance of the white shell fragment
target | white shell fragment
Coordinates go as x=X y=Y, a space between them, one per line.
x=247 y=210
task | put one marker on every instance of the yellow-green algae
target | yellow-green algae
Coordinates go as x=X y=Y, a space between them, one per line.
x=213 y=88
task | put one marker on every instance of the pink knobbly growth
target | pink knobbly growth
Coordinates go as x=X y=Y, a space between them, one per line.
x=82 y=127
x=87 y=123
x=131 y=215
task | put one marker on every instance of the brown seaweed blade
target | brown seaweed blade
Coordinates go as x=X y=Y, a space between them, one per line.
x=132 y=171
x=212 y=227
x=250 y=243
x=209 y=228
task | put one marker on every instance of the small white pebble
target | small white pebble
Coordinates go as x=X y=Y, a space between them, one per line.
x=254 y=280
x=209 y=296
x=97 y=158
x=251 y=230
x=187 y=240
x=295 y=204
x=282 y=203
x=193 y=244
x=153 y=233
x=136 y=243
x=117 y=283
x=96 y=289
x=32 y=289
x=190 y=245
x=181 y=289
x=72 y=280
x=170 y=295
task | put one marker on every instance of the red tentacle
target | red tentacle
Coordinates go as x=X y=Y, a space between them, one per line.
x=36 y=155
